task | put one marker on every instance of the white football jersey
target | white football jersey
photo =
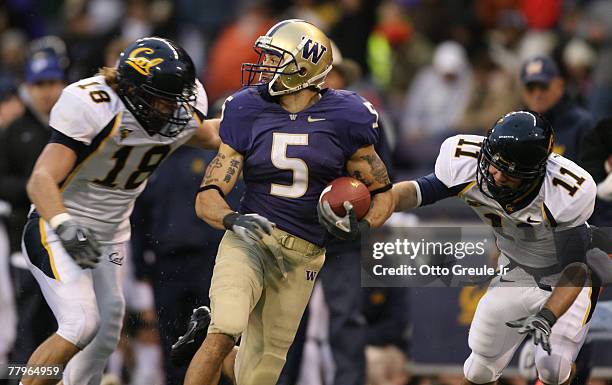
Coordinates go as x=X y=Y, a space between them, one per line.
x=117 y=157
x=566 y=199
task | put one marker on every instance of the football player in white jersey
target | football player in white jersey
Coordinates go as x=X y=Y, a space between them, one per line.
x=110 y=132
x=537 y=203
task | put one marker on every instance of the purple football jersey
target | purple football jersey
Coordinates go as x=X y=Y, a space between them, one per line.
x=290 y=158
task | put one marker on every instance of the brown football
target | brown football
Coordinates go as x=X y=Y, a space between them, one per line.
x=347 y=189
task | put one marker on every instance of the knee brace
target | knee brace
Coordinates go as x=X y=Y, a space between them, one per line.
x=479 y=370
x=553 y=369
x=79 y=327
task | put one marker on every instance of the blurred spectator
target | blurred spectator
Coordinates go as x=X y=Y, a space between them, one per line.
x=25 y=137
x=396 y=51
x=489 y=12
x=596 y=28
x=12 y=54
x=438 y=96
x=435 y=105
x=505 y=39
x=357 y=19
x=50 y=45
x=543 y=91
x=146 y=18
x=578 y=59
x=20 y=145
x=85 y=45
x=493 y=93
x=233 y=47
x=541 y=14
x=11 y=107
x=305 y=10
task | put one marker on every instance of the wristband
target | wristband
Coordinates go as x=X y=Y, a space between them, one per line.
x=211 y=187
x=380 y=190
x=548 y=315
x=59 y=219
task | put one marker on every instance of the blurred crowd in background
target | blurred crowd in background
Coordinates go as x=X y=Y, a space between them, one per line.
x=432 y=68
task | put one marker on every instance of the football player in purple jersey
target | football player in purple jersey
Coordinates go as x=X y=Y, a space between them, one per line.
x=290 y=138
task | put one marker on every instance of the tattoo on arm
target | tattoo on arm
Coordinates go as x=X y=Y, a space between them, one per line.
x=378 y=171
x=231 y=170
x=216 y=163
x=217 y=166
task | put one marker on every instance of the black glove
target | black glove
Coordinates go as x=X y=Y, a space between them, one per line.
x=346 y=227
x=250 y=227
x=79 y=243
x=538 y=326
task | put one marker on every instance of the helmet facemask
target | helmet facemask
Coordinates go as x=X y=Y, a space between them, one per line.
x=157 y=84
x=505 y=194
x=145 y=102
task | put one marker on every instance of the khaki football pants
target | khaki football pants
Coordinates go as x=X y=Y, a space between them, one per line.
x=260 y=292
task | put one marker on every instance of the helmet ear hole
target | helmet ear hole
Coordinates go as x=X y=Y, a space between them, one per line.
x=303 y=71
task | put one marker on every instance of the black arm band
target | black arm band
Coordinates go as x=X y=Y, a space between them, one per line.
x=548 y=315
x=211 y=187
x=381 y=190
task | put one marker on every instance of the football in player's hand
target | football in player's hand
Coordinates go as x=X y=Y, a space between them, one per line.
x=347 y=189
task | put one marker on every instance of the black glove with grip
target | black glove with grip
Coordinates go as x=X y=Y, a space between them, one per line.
x=250 y=227
x=538 y=326
x=79 y=243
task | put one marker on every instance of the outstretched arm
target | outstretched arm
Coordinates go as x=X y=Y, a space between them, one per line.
x=406 y=195
x=207 y=135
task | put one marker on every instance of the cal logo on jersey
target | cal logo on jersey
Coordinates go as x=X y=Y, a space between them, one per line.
x=314 y=49
x=143 y=64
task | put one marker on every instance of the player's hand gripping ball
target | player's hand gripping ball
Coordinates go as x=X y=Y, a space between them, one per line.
x=347 y=189
x=341 y=204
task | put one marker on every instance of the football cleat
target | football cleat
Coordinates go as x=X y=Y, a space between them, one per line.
x=188 y=344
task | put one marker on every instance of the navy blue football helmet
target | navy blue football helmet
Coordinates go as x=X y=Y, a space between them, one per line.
x=157 y=84
x=517 y=145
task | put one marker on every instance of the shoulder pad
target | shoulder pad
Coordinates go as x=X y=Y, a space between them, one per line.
x=458 y=159
x=569 y=192
x=84 y=108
